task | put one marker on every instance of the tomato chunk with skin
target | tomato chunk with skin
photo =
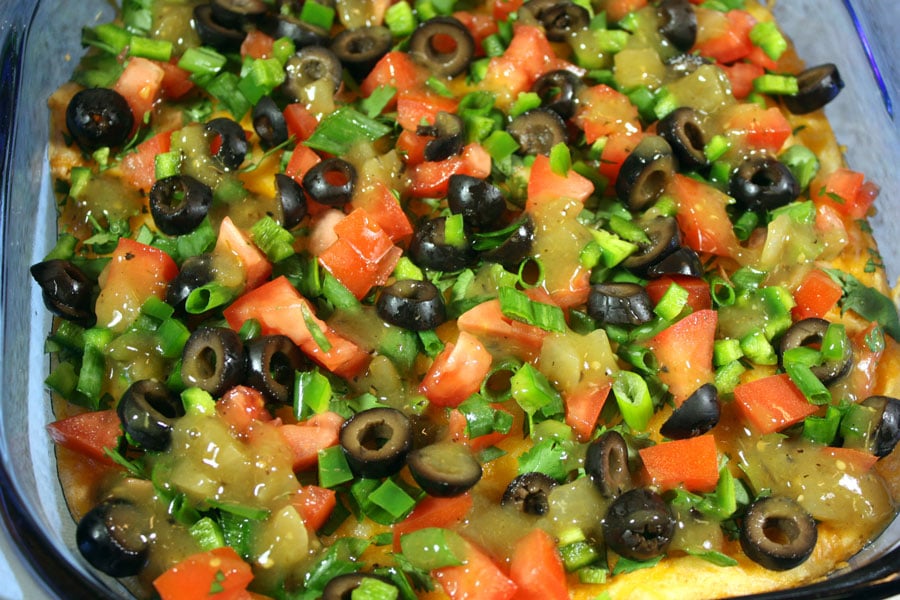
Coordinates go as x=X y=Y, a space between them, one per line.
x=583 y=406
x=219 y=574
x=684 y=352
x=89 y=433
x=537 y=568
x=278 y=307
x=254 y=262
x=457 y=372
x=479 y=578
x=487 y=321
x=140 y=84
x=816 y=295
x=772 y=403
x=702 y=217
x=433 y=512
x=699 y=295
x=139 y=167
x=307 y=438
x=315 y=505
x=544 y=184
x=692 y=462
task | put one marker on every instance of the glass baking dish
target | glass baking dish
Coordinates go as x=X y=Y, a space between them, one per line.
x=40 y=45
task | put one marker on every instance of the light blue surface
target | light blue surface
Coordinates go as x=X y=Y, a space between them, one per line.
x=820 y=28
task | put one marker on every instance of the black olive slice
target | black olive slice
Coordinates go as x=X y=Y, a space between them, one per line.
x=234 y=145
x=272 y=362
x=645 y=173
x=147 y=411
x=684 y=261
x=479 y=202
x=558 y=91
x=620 y=304
x=887 y=430
x=66 y=291
x=412 y=304
x=215 y=34
x=683 y=129
x=763 y=183
x=99 y=117
x=308 y=66
x=514 y=249
x=664 y=240
x=300 y=32
x=342 y=586
x=429 y=248
x=292 y=200
x=639 y=525
x=817 y=87
x=530 y=493
x=234 y=14
x=810 y=332
x=269 y=123
x=443 y=45
x=213 y=360
x=538 y=130
x=111 y=536
x=449 y=135
x=606 y=463
x=678 y=23
x=444 y=469
x=559 y=18
x=196 y=271
x=696 y=415
x=778 y=533
x=331 y=182
x=179 y=204
x=376 y=442
x=360 y=49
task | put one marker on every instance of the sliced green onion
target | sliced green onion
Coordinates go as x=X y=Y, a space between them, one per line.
x=823 y=430
x=250 y=329
x=672 y=302
x=593 y=575
x=273 y=239
x=767 y=36
x=107 y=37
x=312 y=394
x=496 y=386
x=239 y=510
x=780 y=85
x=315 y=331
x=455 y=231
x=439 y=87
x=516 y=305
x=720 y=173
x=224 y=87
x=431 y=343
x=342 y=129
x=393 y=499
x=173 y=335
x=156 y=308
x=202 y=61
x=493 y=45
x=152 y=49
x=207 y=534
x=317 y=14
x=644 y=99
x=333 y=467
x=834 y=343
x=634 y=400
x=198 y=402
x=377 y=100
x=745 y=224
x=338 y=295
x=207 y=297
x=264 y=75
x=400 y=19
x=802 y=163
x=533 y=393
x=639 y=356
x=803 y=377
x=433 y=548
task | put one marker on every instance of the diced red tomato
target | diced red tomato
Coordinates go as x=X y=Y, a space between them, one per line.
x=816 y=295
x=302 y=160
x=456 y=432
x=759 y=58
x=257 y=44
x=734 y=44
x=617 y=9
x=140 y=84
x=604 y=112
x=845 y=191
x=501 y=9
x=488 y=322
x=219 y=574
x=278 y=307
x=684 y=352
x=741 y=76
x=240 y=407
x=307 y=438
x=772 y=403
x=412 y=147
x=432 y=179
x=254 y=262
x=617 y=148
x=383 y=207
x=574 y=291
x=699 y=297
x=693 y=463
x=363 y=255
x=176 y=81
x=88 y=433
x=301 y=123
x=702 y=217
x=139 y=167
x=433 y=512
x=537 y=568
x=457 y=372
x=135 y=272
x=315 y=505
x=544 y=184
x=528 y=56
x=415 y=107
x=343 y=358
x=759 y=128
x=855 y=461
x=583 y=406
x=478 y=579
x=396 y=69
x=479 y=25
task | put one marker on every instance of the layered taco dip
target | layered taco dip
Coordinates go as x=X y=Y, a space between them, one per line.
x=446 y=299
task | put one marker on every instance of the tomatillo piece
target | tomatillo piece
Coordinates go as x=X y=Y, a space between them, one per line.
x=530 y=493
x=272 y=362
x=111 y=537
x=639 y=525
x=697 y=415
x=66 y=291
x=99 y=117
x=376 y=442
x=445 y=469
x=413 y=304
x=778 y=533
x=179 y=204
x=147 y=411
x=606 y=463
x=213 y=360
